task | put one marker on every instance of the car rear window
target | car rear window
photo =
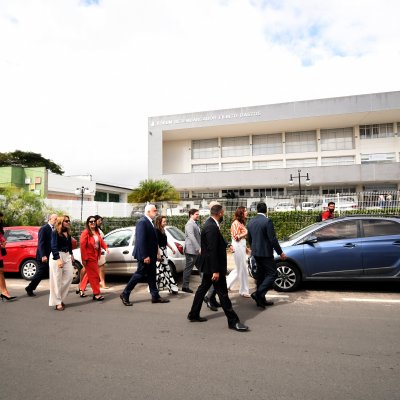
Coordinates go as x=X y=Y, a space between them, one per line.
x=17 y=235
x=176 y=233
x=375 y=227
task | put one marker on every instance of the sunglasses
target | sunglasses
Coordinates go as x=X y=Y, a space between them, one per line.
x=67 y=221
x=92 y=222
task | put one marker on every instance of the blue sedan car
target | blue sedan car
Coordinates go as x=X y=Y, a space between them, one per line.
x=358 y=247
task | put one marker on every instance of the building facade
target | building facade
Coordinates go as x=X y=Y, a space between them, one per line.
x=345 y=145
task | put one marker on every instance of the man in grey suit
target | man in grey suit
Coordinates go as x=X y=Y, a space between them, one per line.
x=192 y=247
x=263 y=241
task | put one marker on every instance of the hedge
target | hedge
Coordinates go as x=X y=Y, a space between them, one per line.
x=285 y=223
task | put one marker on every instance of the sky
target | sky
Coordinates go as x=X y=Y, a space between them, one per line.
x=80 y=78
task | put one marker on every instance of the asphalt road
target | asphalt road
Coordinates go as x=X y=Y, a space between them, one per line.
x=327 y=341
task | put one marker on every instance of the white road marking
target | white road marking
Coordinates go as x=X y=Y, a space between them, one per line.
x=371 y=300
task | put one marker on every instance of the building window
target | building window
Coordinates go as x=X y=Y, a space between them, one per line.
x=267 y=144
x=337 y=139
x=100 y=196
x=183 y=195
x=378 y=158
x=235 y=146
x=233 y=193
x=268 y=192
x=267 y=164
x=376 y=131
x=113 y=197
x=207 y=148
x=301 y=162
x=205 y=167
x=345 y=160
x=237 y=166
x=335 y=190
x=301 y=142
x=205 y=195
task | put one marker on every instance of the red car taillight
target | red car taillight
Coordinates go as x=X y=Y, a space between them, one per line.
x=179 y=247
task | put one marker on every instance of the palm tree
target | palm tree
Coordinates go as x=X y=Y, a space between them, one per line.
x=153 y=191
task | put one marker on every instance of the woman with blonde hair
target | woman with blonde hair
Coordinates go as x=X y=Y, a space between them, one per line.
x=239 y=233
x=60 y=264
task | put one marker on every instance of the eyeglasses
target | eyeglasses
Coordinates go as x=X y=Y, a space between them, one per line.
x=67 y=221
x=92 y=222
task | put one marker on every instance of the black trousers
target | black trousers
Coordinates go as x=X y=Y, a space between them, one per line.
x=222 y=291
x=41 y=273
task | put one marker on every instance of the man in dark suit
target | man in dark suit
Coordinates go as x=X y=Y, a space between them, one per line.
x=263 y=241
x=42 y=254
x=213 y=264
x=145 y=252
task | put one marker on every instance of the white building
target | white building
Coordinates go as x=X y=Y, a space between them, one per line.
x=345 y=144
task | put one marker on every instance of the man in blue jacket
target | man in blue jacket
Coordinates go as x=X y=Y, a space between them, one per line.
x=263 y=241
x=145 y=252
x=42 y=254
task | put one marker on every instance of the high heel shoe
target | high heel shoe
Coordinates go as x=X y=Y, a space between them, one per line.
x=6 y=298
x=100 y=298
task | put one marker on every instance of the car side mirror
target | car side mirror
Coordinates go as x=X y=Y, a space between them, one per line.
x=310 y=240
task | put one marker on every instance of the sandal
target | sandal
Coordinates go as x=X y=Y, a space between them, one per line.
x=100 y=298
x=59 y=307
x=82 y=293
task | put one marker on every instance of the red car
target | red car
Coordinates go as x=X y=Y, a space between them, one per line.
x=21 y=250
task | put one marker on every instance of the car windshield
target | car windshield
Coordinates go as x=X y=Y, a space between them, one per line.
x=176 y=233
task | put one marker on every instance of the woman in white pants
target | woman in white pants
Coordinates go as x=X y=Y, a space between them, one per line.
x=239 y=233
x=60 y=264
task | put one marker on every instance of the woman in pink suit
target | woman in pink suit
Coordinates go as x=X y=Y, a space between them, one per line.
x=91 y=244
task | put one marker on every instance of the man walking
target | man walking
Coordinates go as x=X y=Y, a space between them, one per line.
x=263 y=241
x=330 y=212
x=42 y=254
x=213 y=264
x=192 y=247
x=145 y=252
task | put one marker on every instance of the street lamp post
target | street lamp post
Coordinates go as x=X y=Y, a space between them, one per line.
x=299 y=176
x=80 y=192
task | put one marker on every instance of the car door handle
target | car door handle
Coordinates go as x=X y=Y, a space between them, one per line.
x=349 y=245
x=125 y=252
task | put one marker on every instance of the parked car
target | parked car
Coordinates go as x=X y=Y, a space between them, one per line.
x=21 y=250
x=342 y=203
x=358 y=247
x=284 y=206
x=121 y=242
x=306 y=206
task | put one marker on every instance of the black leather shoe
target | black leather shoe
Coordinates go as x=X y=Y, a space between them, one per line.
x=196 y=319
x=257 y=300
x=239 y=327
x=268 y=303
x=213 y=301
x=29 y=292
x=159 y=300
x=125 y=301
x=210 y=305
x=187 y=290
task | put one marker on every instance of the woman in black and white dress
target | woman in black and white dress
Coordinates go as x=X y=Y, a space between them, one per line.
x=165 y=279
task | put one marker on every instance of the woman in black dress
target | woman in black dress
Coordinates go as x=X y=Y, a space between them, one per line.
x=165 y=280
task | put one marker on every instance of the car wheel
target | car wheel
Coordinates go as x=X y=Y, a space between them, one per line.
x=76 y=272
x=29 y=269
x=173 y=271
x=289 y=277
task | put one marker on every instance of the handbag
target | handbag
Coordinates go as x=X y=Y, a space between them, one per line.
x=252 y=267
x=3 y=251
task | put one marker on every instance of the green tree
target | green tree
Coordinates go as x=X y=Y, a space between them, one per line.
x=22 y=208
x=153 y=191
x=20 y=158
